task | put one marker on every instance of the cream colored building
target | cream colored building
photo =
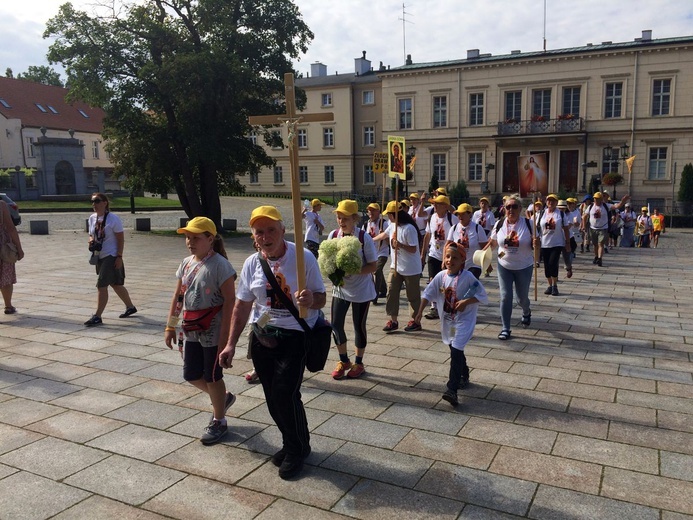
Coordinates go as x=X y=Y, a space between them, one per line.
x=334 y=156
x=470 y=119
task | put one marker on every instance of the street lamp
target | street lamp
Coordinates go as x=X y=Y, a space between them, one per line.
x=585 y=165
x=484 y=185
x=616 y=155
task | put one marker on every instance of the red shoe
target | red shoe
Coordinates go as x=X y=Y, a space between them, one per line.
x=356 y=370
x=340 y=370
x=412 y=326
x=390 y=326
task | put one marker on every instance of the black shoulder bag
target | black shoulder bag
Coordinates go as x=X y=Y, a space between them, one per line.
x=318 y=339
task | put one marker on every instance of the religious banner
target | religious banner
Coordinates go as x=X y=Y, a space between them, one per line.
x=380 y=162
x=395 y=164
x=533 y=173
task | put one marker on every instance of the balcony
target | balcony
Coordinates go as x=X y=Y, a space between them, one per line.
x=546 y=126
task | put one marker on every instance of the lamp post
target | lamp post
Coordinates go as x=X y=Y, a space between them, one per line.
x=484 y=185
x=411 y=153
x=585 y=165
x=616 y=155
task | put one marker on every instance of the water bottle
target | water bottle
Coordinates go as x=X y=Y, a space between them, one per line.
x=306 y=204
x=471 y=291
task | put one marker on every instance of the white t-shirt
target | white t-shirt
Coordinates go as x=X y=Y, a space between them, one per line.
x=439 y=227
x=629 y=217
x=420 y=221
x=408 y=264
x=517 y=253
x=205 y=292
x=375 y=228
x=485 y=220
x=108 y=240
x=312 y=230
x=572 y=218
x=599 y=216
x=468 y=237
x=446 y=290
x=551 y=225
x=253 y=287
x=357 y=288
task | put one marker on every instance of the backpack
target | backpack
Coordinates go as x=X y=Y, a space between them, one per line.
x=541 y=215
x=477 y=227
x=500 y=221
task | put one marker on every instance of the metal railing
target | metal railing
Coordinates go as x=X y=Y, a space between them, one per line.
x=541 y=126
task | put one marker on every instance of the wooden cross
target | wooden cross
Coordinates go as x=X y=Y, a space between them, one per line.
x=291 y=119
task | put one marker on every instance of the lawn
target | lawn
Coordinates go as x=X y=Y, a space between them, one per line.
x=117 y=203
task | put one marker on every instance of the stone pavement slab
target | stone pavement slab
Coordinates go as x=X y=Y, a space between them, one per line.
x=586 y=414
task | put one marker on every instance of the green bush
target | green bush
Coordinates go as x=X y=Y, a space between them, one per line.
x=686 y=185
x=433 y=185
x=459 y=193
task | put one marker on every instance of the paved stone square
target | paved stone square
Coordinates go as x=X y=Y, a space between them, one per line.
x=587 y=414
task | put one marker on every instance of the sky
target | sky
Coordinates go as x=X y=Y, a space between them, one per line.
x=434 y=30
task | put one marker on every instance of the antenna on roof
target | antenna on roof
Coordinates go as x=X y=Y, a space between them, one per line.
x=544 y=25
x=404 y=32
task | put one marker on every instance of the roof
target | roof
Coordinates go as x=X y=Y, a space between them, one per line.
x=585 y=49
x=337 y=79
x=24 y=96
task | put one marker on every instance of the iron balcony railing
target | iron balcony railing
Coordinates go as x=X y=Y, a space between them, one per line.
x=546 y=126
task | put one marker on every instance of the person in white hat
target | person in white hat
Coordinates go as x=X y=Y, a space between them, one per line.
x=314 y=226
x=629 y=217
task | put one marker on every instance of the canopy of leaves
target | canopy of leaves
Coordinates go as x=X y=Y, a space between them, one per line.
x=178 y=80
x=41 y=74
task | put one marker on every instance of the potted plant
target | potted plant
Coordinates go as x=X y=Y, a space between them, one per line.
x=539 y=123
x=612 y=179
x=685 y=195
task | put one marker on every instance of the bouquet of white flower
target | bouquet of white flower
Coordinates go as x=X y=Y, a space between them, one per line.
x=339 y=258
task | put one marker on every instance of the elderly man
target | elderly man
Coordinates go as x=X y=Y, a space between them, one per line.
x=278 y=344
x=596 y=219
x=469 y=235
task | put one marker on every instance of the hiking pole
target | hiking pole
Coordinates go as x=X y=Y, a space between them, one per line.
x=534 y=247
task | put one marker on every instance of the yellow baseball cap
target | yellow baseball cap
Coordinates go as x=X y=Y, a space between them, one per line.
x=392 y=207
x=464 y=208
x=598 y=195
x=199 y=225
x=406 y=202
x=265 y=211
x=374 y=205
x=414 y=195
x=538 y=202
x=440 y=199
x=482 y=199
x=571 y=200
x=348 y=207
x=644 y=208
x=315 y=202
x=441 y=190
x=552 y=196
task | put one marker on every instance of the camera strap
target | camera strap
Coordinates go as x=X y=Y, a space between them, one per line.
x=100 y=229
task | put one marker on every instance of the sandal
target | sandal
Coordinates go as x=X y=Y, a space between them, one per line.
x=570 y=273
x=526 y=321
x=504 y=335
x=10 y=310
x=252 y=376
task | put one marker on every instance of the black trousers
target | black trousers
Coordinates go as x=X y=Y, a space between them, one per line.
x=281 y=372
x=458 y=368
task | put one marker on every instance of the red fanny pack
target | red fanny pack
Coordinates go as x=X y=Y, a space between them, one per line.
x=200 y=320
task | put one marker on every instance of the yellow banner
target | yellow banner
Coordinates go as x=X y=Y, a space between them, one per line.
x=629 y=163
x=380 y=162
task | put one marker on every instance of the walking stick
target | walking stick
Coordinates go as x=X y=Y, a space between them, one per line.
x=534 y=233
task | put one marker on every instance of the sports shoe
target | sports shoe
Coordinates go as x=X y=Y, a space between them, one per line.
x=599 y=262
x=451 y=397
x=128 y=312
x=570 y=273
x=582 y=249
x=356 y=370
x=526 y=321
x=554 y=290
x=595 y=260
x=279 y=457
x=252 y=376
x=548 y=290
x=94 y=320
x=587 y=249
x=291 y=466
x=390 y=326
x=464 y=381
x=213 y=433
x=432 y=314
x=412 y=326
x=341 y=369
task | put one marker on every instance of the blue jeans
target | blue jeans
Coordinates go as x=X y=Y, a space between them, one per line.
x=506 y=278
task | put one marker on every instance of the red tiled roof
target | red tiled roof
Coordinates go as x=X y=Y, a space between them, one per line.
x=23 y=95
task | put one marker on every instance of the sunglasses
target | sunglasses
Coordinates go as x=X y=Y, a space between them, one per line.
x=96 y=201
x=512 y=206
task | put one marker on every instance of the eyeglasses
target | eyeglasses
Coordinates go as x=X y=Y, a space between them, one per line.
x=512 y=206
x=96 y=201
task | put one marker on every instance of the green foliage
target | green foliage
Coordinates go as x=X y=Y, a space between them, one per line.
x=433 y=184
x=686 y=186
x=41 y=74
x=400 y=188
x=178 y=80
x=459 y=193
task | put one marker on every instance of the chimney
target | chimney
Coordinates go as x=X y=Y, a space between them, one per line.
x=517 y=51
x=647 y=35
x=472 y=53
x=362 y=65
x=317 y=69
x=408 y=62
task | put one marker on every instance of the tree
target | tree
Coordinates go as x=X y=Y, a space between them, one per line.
x=433 y=184
x=9 y=73
x=178 y=80
x=42 y=74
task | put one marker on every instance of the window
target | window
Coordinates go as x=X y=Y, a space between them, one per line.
x=613 y=100
x=571 y=101
x=302 y=138
x=40 y=107
x=329 y=174
x=368 y=136
x=541 y=103
x=661 y=95
x=52 y=109
x=278 y=175
x=658 y=163
x=326 y=99
x=328 y=137
x=29 y=142
x=368 y=97
x=405 y=113
x=476 y=109
x=276 y=140
x=84 y=114
x=254 y=178
x=440 y=166
x=368 y=176
x=94 y=149
x=475 y=166
x=253 y=137
x=303 y=174
x=513 y=106
x=81 y=143
x=5 y=103
x=440 y=111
